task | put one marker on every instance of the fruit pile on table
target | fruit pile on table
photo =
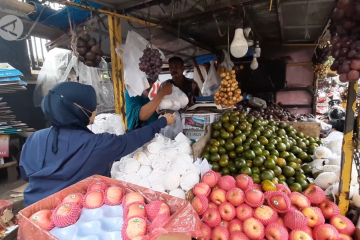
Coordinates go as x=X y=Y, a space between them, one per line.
x=238 y=209
x=269 y=152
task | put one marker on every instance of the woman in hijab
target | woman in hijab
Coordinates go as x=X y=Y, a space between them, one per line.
x=67 y=152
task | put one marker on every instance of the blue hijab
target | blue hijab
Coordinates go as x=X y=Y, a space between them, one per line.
x=69 y=105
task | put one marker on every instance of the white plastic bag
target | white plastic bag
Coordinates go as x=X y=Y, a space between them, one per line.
x=212 y=82
x=130 y=52
x=227 y=63
x=174 y=101
x=108 y=123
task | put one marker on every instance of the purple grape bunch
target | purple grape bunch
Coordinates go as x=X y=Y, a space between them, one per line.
x=151 y=63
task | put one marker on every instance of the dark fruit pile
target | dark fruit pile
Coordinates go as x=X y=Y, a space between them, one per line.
x=268 y=151
x=322 y=55
x=276 y=112
x=88 y=50
x=345 y=41
x=151 y=63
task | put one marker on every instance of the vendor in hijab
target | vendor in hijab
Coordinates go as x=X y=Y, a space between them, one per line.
x=68 y=152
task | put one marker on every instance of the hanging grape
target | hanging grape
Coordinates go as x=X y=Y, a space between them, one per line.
x=151 y=63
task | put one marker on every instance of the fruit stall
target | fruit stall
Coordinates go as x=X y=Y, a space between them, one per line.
x=254 y=172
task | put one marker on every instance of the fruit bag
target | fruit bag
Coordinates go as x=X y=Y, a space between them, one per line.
x=183 y=217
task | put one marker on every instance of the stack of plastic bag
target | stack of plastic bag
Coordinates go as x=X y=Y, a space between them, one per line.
x=163 y=165
x=108 y=123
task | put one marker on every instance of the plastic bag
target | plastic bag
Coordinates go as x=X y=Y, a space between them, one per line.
x=130 y=52
x=108 y=123
x=173 y=130
x=174 y=101
x=227 y=63
x=212 y=82
x=54 y=69
x=197 y=78
x=60 y=65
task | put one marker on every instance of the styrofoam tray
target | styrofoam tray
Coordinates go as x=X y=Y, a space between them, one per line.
x=104 y=223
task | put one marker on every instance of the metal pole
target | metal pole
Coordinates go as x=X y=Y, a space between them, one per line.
x=347 y=149
x=117 y=67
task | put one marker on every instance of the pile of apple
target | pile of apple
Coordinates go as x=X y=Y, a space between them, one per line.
x=238 y=209
x=137 y=214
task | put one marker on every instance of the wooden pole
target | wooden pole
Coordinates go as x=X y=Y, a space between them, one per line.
x=196 y=65
x=117 y=67
x=19 y=6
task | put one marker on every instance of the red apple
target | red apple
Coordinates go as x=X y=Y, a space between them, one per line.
x=299 y=235
x=280 y=221
x=235 y=196
x=133 y=197
x=201 y=189
x=325 y=232
x=93 y=199
x=66 y=214
x=253 y=228
x=218 y=196
x=220 y=233
x=345 y=237
x=227 y=211
x=210 y=178
x=244 y=182
x=295 y=220
x=244 y=211
x=315 y=194
x=206 y=232
x=212 y=205
x=212 y=217
x=113 y=196
x=164 y=209
x=265 y=215
x=283 y=188
x=299 y=200
x=135 y=209
x=226 y=183
x=309 y=231
x=225 y=223
x=275 y=231
x=43 y=219
x=343 y=224
x=75 y=198
x=278 y=200
x=200 y=204
x=257 y=186
x=237 y=235
x=314 y=216
x=235 y=225
x=329 y=209
x=254 y=197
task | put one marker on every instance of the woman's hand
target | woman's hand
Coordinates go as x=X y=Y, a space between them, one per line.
x=170 y=118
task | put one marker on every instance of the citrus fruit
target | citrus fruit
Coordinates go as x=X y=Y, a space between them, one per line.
x=266 y=175
x=295 y=187
x=267 y=185
x=288 y=171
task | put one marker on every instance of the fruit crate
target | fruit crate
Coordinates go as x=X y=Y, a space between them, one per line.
x=183 y=219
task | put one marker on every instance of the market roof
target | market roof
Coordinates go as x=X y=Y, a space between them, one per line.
x=190 y=28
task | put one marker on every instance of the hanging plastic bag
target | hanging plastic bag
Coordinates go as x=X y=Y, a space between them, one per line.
x=174 y=101
x=227 y=63
x=55 y=68
x=212 y=82
x=173 y=130
x=130 y=52
x=197 y=77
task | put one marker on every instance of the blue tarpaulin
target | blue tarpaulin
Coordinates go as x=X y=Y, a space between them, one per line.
x=60 y=18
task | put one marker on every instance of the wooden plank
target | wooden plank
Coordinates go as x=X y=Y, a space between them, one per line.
x=311 y=129
x=9 y=164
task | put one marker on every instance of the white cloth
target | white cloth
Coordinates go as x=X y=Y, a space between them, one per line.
x=188 y=180
x=131 y=166
x=159 y=164
x=171 y=180
x=179 y=193
x=144 y=171
x=142 y=158
x=156 y=147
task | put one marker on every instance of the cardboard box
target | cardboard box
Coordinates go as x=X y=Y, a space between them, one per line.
x=198 y=121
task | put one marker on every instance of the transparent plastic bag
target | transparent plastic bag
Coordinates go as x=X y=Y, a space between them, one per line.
x=130 y=52
x=227 y=63
x=174 y=101
x=173 y=130
x=108 y=123
x=212 y=82
x=54 y=70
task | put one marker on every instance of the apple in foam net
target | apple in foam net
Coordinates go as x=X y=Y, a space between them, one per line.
x=210 y=178
x=220 y=233
x=238 y=236
x=314 y=216
x=329 y=209
x=225 y=223
x=212 y=205
x=75 y=198
x=201 y=189
x=265 y=215
x=254 y=197
x=235 y=225
x=114 y=195
x=275 y=231
x=200 y=204
x=206 y=232
x=212 y=217
x=226 y=183
x=299 y=235
x=345 y=237
x=280 y=221
x=133 y=197
x=42 y=219
x=218 y=196
x=136 y=209
x=244 y=211
x=244 y=182
x=343 y=224
x=325 y=232
x=299 y=200
x=315 y=194
x=235 y=196
x=227 y=211
x=309 y=231
x=253 y=228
